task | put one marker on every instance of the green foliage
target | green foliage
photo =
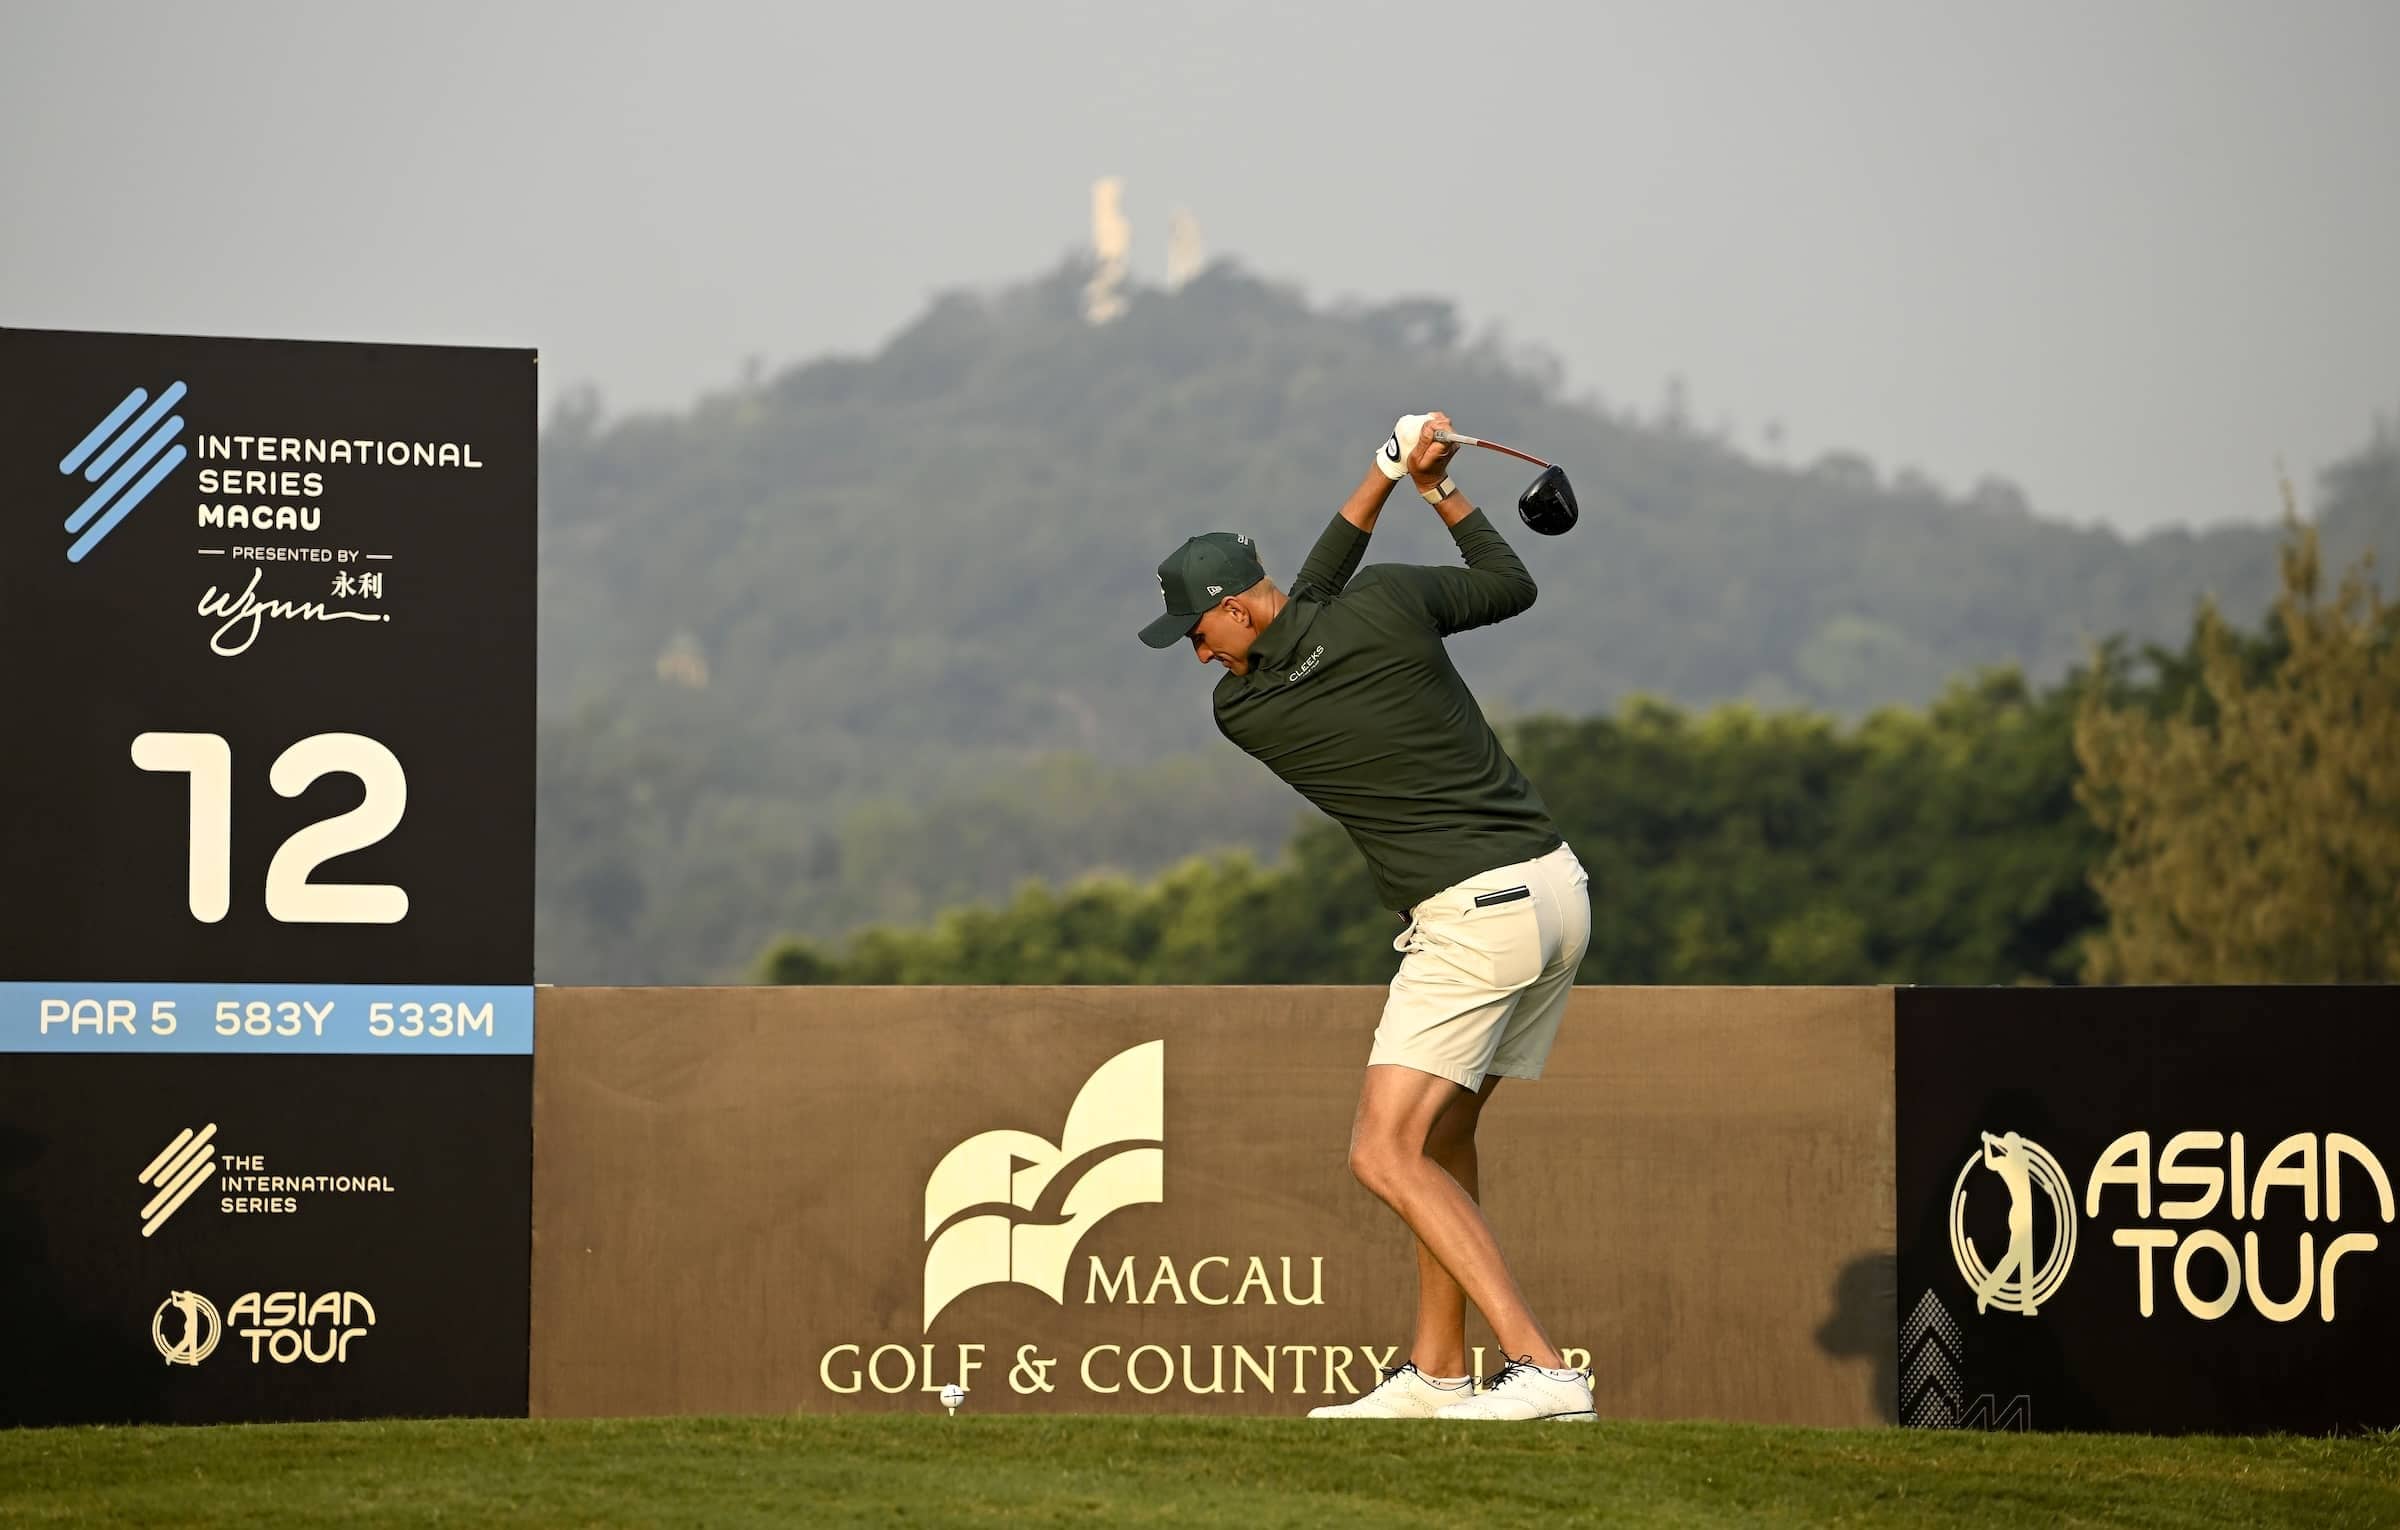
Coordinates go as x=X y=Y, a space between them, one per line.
x=1738 y=846
x=2256 y=837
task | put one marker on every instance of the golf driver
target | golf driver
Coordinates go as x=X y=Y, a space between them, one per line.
x=1548 y=503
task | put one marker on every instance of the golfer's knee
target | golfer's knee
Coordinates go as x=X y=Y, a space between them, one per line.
x=1380 y=1163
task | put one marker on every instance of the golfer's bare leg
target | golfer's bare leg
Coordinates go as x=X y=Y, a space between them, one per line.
x=1396 y=1115
x=1439 y=1347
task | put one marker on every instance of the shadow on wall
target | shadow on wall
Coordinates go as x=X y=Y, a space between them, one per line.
x=1866 y=1321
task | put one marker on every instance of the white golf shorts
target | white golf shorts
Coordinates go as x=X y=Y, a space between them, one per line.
x=1487 y=970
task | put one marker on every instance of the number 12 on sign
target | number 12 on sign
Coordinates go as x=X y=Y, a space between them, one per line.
x=291 y=897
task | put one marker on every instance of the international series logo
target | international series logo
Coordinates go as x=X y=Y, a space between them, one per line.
x=135 y=458
x=271 y=486
x=180 y=1168
x=244 y=1183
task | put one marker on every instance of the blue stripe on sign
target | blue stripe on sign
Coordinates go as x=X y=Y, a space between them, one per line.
x=134 y=432
x=98 y=499
x=133 y=497
x=101 y=432
x=268 y=1019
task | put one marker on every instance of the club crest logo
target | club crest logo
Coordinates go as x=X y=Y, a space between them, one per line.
x=1010 y=1208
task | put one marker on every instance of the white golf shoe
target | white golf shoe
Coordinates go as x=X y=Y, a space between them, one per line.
x=1522 y=1390
x=1404 y=1392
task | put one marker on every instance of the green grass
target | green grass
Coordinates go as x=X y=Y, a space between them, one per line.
x=1249 y=1473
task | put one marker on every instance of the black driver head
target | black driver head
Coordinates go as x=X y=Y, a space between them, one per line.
x=1548 y=503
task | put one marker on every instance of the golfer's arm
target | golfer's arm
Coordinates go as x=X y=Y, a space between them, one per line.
x=1456 y=508
x=1493 y=587
x=1343 y=543
x=1366 y=501
x=1499 y=585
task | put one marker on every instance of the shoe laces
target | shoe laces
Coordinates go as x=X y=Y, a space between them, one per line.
x=1517 y=1367
x=1392 y=1373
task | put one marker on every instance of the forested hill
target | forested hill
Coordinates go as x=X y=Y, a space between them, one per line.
x=894 y=579
x=951 y=542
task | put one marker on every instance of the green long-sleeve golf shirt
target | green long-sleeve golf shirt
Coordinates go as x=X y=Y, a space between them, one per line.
x=1351 y=699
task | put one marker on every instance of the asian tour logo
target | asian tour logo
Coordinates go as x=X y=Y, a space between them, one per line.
x=197 y=1328
x=2191 y=1179
x=128 y=454
x=1010 y=1208
x=282 y=1327
x=2017 y=1283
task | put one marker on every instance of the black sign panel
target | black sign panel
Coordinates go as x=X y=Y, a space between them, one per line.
x=266 y=994
x=2153 y=1209
x=269 y=608
x=316 y=1237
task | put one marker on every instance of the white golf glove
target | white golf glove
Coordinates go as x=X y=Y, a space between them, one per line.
x=1394 y=455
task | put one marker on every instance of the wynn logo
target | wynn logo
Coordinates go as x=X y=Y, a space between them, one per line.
x=1008 y=1207
x=180 y=1168
x=127 y=461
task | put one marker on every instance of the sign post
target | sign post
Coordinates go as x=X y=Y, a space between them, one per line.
x=266 y=978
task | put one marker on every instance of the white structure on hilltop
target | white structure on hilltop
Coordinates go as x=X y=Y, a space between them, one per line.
x=1112 y=241
x=1185 y=253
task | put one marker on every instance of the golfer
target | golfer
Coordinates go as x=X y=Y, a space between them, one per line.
x=2005 y=1156
x=1342 y=687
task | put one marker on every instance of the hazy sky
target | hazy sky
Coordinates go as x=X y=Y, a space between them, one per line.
x=2125 y=253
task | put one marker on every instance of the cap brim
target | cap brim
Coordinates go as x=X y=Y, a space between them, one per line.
x=1169 y=629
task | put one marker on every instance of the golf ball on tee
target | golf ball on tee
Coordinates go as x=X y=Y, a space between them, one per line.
x=953 y=1395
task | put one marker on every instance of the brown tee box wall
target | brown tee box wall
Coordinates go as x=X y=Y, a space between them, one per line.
x=734 y=1191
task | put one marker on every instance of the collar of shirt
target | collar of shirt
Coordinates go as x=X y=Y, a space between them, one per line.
x=1280 y=643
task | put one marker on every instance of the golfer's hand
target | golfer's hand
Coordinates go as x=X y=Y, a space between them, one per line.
x=1430 y=463
x=1392 y=458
